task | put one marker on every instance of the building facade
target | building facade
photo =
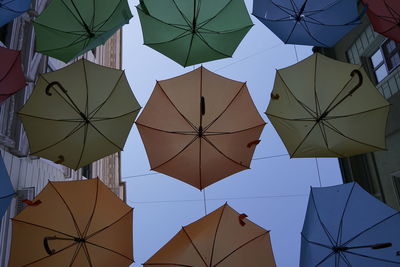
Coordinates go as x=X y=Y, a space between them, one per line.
x=378 y=172
x=29 y=174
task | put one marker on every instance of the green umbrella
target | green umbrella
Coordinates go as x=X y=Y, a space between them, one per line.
x=194 y=31
x=67 y=29
x=79 y=114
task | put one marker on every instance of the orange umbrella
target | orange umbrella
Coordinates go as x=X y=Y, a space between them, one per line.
x=76 y=223
x=200 y=127
x=223 y=238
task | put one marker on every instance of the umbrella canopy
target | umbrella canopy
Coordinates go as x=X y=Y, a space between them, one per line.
x=86 y=109
x=200 y=127
x=75 y=223
x=308 y=22
x=346 y=226
x=192 y=32
x=385 y=17
x=12 y=77
x=6 y=189
x=67 y=29
x=321 y=107
x=223 y=238
x=10 y=9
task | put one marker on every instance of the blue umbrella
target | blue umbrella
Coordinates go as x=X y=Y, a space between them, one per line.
x=6 y=189
x=308 y=22
x=345 y=226
x=10 y=9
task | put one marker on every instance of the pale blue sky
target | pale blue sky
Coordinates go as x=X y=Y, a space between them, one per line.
x=273 y=193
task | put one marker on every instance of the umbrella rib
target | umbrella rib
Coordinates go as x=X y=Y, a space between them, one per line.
x=324 y=136
x=81 y=22
x=339 y=235
x=69 y=209
x=11 y=67
x=226 y=31
x=44 y=227
x=209 y=46
x=392 y=11
x=180 y=36
x=287 y=119
x=370 y=257
x=369 y=228
x=215 y=234
x=183 y=149
x=76 y=41
x=304 y=139
x=234 y=132
x=73 y=131
x=108 y=226
x=291 y=32
x=204 y=23
x=177 y=26
x=78 y=247
x=189 y=23
x=194 y=246
x=190 y=49
x=112 y=118
x=105 y=137
x=7 y=196
x=48 y=119
x=169 y=132
x=105 y=21
x=305 y=27
x=176 y=108
x=327 y=233
x=241 y=246
x=315 y=243
x=285 y=9
x=79 y=33
x=324 y=259
x=95 y=110
x=93 y=210
x=85 y=131
x=48 y=256
x=208 y=141
x=329 y=125
x=169 y=264
x=87 y=89
x=354 y=114
x=306 y=108
x=86 y=251
x=341 y=254
x=108 y=249
x=226 y=108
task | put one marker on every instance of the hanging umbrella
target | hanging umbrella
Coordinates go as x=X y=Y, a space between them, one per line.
x=200 y=127
x=385 y=17
x=192 y=32
x=74 y=223
x=67 y=29
x=79 y=114
x=321 y=107
x=6 y=189
x=12 y=77
x=222 y=238
x=346 y=226
x=306 y=22
x=10 y=9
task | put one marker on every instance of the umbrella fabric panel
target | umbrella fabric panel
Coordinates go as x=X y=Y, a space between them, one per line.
x=10 y=9
x=106 y=258
x=11 y=76
x=75 y=28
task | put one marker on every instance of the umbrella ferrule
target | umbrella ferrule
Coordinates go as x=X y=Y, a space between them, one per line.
x=84 y=117
x=79 y=240
x=337 y=249
x=200 y=133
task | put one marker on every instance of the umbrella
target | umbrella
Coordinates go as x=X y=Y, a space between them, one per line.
x=79 y=114
x=74 y=223
x=192 y=32
x=67 y=29
x=10 y=9
x=12 y=77
x=346 y=226
x=6 y=189
x=306 y=22
x=222 y=238
x=385 y=17
x=321 y=107
x=200 y=127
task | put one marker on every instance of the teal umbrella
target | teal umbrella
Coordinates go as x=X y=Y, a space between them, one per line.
x=194 y=31
x=68 y=29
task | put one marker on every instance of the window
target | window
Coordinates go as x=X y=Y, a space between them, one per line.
x=87 y=171
x=385 y=59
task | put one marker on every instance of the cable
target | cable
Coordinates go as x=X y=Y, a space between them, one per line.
x=319 y=175
x=217 y=199
x=204 y=198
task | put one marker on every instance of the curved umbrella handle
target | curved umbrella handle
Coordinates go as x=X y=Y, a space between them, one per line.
x=50 y=85
x=360 y=80
x=46 y=245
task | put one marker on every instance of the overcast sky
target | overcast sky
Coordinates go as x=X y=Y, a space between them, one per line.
x=273 y=193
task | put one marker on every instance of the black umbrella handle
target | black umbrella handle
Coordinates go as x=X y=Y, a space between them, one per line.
x=202 y=106
x=53 y=251
x=50 y=85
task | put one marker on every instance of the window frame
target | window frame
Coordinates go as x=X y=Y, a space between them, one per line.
x=386 y=59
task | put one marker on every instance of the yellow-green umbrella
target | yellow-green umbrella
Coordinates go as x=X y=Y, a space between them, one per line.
x=322 y=107
x=79 y=114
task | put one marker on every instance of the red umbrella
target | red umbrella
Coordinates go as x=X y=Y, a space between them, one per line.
x=12 y=77
x=385 y=17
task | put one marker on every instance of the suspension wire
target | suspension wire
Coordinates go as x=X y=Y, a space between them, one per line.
x=205 y=203
x=219 y=199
